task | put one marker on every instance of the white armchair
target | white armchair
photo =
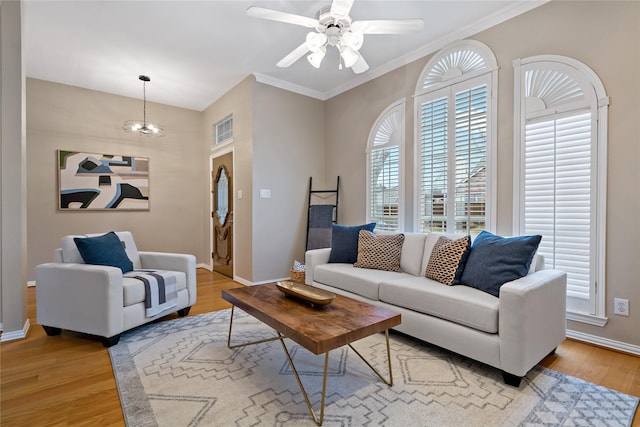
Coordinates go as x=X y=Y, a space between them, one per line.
x=99 y=300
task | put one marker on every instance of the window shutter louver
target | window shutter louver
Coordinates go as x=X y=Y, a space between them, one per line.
x=434 y=155
x=384 y=166
x=557 y=195
x=453 y=179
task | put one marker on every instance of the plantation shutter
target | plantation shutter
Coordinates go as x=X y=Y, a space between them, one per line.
x=561 y=121
x=384 y=162
x=453 y=152
x=470 y=164
x=434 y=164
x=558 y=195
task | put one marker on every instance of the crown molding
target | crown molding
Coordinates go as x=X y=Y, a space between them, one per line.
x=292 y=87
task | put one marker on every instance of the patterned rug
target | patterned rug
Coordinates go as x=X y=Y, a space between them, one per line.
x=181 y=373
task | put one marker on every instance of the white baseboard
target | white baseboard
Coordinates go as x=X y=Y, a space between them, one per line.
x=604 y=342
x=16 y=335
x=205 y=266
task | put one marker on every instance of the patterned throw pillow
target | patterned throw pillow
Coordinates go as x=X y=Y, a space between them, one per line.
x=447 y=260
x=379 y=252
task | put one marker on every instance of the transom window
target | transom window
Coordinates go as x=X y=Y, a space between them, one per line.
x=223 y=130
x=455 y=100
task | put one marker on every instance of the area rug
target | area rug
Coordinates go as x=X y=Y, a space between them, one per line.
x=181 y=373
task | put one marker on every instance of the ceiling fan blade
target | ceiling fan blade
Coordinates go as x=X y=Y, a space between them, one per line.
x=275 y=15
x=360 y=65
x=341 y=7
x=293 y=56
x=388 y=26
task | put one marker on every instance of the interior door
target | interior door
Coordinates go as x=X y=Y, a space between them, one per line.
x=222 y=193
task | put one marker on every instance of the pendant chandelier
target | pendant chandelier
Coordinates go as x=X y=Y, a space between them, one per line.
x=142 y=127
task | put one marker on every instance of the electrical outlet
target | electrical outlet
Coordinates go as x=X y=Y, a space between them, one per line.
x=621 y=306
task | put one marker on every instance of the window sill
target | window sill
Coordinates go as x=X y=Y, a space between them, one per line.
x=587 y=318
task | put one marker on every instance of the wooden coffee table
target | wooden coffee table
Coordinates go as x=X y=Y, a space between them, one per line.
x=319 y=329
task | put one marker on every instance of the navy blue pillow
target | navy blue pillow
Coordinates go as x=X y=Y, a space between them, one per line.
x=344 y=242
x=104 y=250
x=494 y=261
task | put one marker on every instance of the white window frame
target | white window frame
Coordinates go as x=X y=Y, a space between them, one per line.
x=219 y=135
x=462 y=63
x=397 y=108
x=588 y=95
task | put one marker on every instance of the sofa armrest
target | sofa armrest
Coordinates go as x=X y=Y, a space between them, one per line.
x=174 y=262
x=532 y=319
x=80 y=297
x=311 y=259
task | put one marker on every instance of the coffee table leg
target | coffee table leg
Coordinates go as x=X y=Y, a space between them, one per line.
x=390 y=382
x=317 y=420
x=246 y=343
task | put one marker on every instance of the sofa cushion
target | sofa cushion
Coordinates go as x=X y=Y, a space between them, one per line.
x=70 y=252
x=412 y=251
x=134 y=291
x=344 y=241
x=460 y=304
x=447 y=260
x=379 y=252
x=361 y=281
x=104 y=250
x=494 y=260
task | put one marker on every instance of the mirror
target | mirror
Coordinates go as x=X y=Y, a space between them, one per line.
x=222 y=199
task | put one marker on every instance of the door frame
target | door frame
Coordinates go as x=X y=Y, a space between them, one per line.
x=214 y=155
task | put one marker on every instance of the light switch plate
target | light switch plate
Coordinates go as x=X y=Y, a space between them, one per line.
x=265 y=193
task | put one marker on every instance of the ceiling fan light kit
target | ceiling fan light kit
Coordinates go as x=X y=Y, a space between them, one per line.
x=334 y=27
x=142 y=127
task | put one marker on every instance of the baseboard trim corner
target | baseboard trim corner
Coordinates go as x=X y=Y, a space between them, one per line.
x=16 y=335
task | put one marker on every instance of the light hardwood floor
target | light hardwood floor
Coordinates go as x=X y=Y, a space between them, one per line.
x=68 y=380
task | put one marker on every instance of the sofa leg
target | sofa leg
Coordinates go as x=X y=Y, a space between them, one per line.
x=552 y=352
x=510 y=379
x=183 y=312
x=111 y=341
x=51 y=331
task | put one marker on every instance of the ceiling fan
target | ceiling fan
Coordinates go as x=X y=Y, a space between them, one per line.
x=333 y=27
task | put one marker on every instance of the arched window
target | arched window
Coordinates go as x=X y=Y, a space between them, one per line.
x=455 y=131
x=560 y=192
x=384 y=169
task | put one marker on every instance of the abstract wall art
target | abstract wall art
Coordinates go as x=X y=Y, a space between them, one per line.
x=89 y=181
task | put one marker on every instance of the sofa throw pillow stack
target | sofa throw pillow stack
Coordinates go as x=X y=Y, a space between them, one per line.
x=344 y=242
x=448 y=259
x=104 y=250
x=379 y=252
x=494 y=261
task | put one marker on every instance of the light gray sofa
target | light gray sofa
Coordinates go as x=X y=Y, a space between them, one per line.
x=97 y=299
x=512 y=332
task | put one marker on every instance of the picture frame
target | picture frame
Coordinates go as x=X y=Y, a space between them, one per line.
x=102 y=182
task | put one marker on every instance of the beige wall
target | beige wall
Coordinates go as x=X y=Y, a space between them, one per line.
x=13 y=176
x=239 y=102
x=603 y=35
x=288 y=148
x=72 y=118
x=278 y=143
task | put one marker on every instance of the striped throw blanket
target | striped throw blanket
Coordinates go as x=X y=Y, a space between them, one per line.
x=160 y=289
